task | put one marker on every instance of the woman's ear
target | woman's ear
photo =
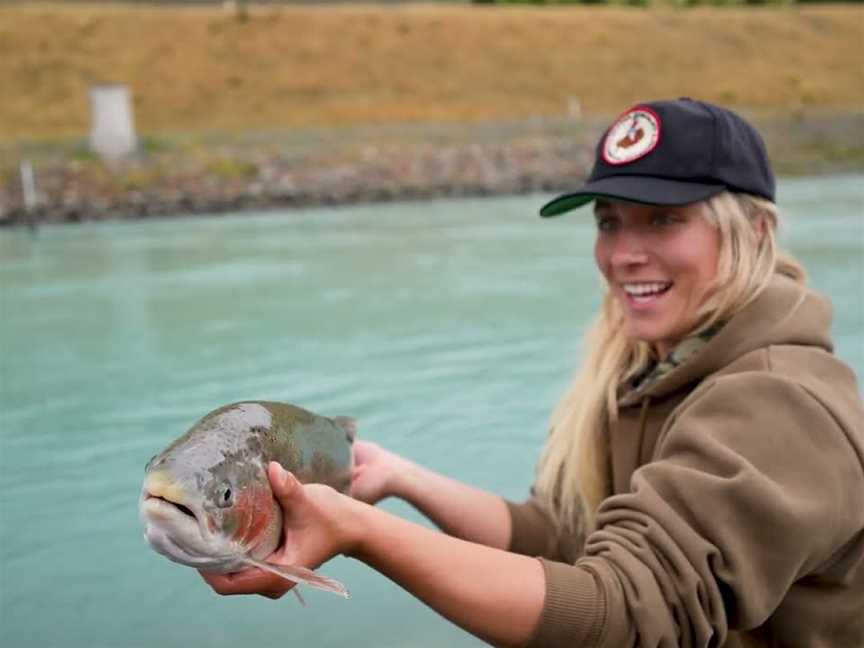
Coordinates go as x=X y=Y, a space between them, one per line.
x=758 y=223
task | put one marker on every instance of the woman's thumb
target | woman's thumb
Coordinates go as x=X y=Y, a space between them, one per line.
x=283 y=483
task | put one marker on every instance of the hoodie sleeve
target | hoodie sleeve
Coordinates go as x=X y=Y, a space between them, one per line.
x=753 y=485
x=532 y=531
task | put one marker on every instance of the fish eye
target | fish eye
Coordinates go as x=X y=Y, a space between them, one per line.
x=225 y=496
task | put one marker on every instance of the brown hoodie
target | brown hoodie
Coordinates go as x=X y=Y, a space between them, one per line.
x=737 y=514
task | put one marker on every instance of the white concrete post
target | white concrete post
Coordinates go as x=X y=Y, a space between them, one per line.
x=28 y=186
x=112 y=129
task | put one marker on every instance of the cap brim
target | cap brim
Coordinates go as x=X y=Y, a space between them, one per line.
x=638 y=189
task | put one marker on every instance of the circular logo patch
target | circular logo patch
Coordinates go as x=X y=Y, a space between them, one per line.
x=633 y=136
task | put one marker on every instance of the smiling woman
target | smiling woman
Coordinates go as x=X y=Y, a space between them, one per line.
x=703 y=480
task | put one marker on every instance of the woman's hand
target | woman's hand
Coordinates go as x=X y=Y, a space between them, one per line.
x=316 y=526
x=376 y=472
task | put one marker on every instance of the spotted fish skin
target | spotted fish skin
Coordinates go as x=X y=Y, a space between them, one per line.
x=206 y=501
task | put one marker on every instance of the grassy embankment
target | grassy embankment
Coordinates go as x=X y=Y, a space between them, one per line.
x=288 y=67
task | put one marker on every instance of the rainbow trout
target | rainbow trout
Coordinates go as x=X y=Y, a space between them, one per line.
x=206 y=500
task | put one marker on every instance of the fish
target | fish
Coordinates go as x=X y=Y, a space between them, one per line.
x=206 y=501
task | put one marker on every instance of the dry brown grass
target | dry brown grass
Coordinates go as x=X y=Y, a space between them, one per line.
x=291 y=67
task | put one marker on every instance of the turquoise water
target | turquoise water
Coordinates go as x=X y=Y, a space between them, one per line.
x=447 y=328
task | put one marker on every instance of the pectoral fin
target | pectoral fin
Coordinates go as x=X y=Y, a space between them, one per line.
x=299 y=574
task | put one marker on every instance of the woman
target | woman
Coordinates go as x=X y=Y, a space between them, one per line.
x=703 y=480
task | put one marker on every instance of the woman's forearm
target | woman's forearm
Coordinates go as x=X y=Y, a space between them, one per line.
x=495 y=595
x=458 y=509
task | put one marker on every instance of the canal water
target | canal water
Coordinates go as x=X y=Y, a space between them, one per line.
x=447 y=328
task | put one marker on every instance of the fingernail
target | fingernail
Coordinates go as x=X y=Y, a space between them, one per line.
x=285 y=477
x=280 y=472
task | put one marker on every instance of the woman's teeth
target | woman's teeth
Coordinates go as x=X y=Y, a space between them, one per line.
x=646 y=289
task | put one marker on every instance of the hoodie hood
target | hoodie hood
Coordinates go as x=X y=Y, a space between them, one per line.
x=785 y=313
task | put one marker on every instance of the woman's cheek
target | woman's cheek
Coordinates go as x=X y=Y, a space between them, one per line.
x=601 y=257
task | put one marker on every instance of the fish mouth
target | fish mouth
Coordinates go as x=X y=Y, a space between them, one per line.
x=166 y=507
x=163 y=501
x=172 y=518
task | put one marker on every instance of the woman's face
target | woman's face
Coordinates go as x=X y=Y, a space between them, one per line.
x=659 y=262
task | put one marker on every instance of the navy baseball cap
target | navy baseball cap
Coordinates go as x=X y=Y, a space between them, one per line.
x=673 y=153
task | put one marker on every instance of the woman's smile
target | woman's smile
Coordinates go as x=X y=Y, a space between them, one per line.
x=642 y=294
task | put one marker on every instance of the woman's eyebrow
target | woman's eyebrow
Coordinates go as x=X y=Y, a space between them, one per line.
x=602 y=210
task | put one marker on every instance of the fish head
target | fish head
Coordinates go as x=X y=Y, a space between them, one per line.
x=206 y=501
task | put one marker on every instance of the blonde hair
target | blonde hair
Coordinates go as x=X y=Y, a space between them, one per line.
x=573 y=475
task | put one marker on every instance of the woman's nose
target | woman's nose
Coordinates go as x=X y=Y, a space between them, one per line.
x=628 y=249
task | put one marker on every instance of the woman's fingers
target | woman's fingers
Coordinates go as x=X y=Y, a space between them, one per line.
x=364 y=450
x=373 y=470
x=248 y=581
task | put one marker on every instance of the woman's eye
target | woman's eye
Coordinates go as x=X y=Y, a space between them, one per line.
x=605 y=224
x=665 y=219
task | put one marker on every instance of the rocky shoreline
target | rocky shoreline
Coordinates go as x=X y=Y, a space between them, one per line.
x=74 y=192
x=341 y=168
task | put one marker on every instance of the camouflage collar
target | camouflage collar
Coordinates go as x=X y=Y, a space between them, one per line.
x=684 y=350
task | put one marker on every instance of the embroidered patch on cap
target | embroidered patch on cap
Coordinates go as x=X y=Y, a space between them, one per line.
x=633 y=136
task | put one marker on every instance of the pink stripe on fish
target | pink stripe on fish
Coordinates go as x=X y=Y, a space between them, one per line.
x=253 y=510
